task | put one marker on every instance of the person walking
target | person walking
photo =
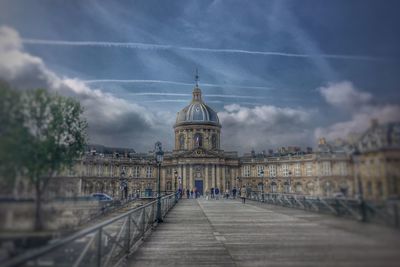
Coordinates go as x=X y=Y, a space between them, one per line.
x=187 y=193
x=234 y=193
x=243 y=193
x=217 y=193
x=212 y=192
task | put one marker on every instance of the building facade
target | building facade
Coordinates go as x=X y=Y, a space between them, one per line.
x=198 y=162
x=377 y=162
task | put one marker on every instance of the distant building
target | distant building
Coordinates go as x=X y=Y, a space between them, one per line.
x=377 y=162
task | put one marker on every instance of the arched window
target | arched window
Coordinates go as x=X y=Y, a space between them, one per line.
x=327 y=188
x=214 y=141
x=260 y=187
x=299 y=188
x=198 y=140
x=169 y=186
x=182 y=141
x=286 y=187
x=273 y=187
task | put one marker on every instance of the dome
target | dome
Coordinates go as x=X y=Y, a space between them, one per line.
x=197 y=112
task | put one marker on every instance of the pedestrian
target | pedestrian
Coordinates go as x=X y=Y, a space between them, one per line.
x=216 y=193
x=180 y=193
x=234 y=192
x=187 y=193
x=212 y=192
x=195 y=192
x=191 y=193
x=227 y=193
x=243 y=194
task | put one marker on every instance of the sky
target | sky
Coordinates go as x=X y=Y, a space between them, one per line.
x=279 y=73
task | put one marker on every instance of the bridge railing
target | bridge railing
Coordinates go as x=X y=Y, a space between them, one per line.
x=105 y=244
x=380 y=212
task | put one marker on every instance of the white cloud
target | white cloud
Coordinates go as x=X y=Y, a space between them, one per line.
x=264 y=127
x=345 y=95
x=360 y=107
x=112 y=120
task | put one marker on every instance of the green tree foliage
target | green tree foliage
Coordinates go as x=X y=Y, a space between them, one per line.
x=42 y=133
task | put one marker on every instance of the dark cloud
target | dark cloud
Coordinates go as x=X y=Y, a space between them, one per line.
x=112 y=121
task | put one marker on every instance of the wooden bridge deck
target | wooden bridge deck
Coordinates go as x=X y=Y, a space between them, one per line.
x=229 y=233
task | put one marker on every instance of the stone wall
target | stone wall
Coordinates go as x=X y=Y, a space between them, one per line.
x=58 y=215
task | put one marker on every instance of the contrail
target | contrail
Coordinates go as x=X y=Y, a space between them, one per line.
x=175 y=83
x=148 y=46
x=177 y=101
x=206 y=95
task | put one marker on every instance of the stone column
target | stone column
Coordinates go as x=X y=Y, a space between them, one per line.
x=223 y=178
x=79 y=191
x=191 y=177
x=213 y=176
x=218 y=177
x=233 y=177
x=206 y=178
x=184 y=178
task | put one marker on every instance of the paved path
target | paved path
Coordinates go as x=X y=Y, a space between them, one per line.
x=229 y=233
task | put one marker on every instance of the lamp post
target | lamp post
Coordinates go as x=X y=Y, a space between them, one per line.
x=159 y=159
x=262 y=185
x=123 y=185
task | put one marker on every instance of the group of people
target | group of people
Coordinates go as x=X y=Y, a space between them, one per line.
x=192 y=193
x=215 y=193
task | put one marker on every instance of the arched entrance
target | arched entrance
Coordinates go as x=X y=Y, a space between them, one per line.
x=198 y=184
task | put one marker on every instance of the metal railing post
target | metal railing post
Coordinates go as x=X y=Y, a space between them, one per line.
x=143 y=221
x=99 y=248
x=396 y=215
x=128 y=229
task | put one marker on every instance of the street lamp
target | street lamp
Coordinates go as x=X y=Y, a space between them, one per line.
x=262 y=185
x=123 y=185
x=159 y=159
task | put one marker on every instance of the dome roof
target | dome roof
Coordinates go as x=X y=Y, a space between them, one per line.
x=197 y=112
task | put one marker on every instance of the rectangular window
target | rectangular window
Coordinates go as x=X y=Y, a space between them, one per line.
x=326 y=168
x=343 y=168
x=309 y=169
x=260 y=170
x=272 y=170
x=297 y=169
x=149 y=172
x=285 y=170
x=246 y=171
x=136 y=171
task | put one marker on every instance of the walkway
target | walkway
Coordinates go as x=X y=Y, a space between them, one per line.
x=229 y=233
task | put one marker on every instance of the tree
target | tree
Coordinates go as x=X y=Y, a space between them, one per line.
x=44 y=134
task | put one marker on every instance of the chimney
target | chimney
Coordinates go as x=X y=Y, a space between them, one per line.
x=374 y=123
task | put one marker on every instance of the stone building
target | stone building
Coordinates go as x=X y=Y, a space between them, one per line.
x=198 y=161
x=377 y=162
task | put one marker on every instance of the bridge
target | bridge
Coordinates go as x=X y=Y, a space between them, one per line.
x=225 y=232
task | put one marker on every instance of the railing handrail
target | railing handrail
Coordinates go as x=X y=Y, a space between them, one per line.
x=60 y=242
x=308 y=196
